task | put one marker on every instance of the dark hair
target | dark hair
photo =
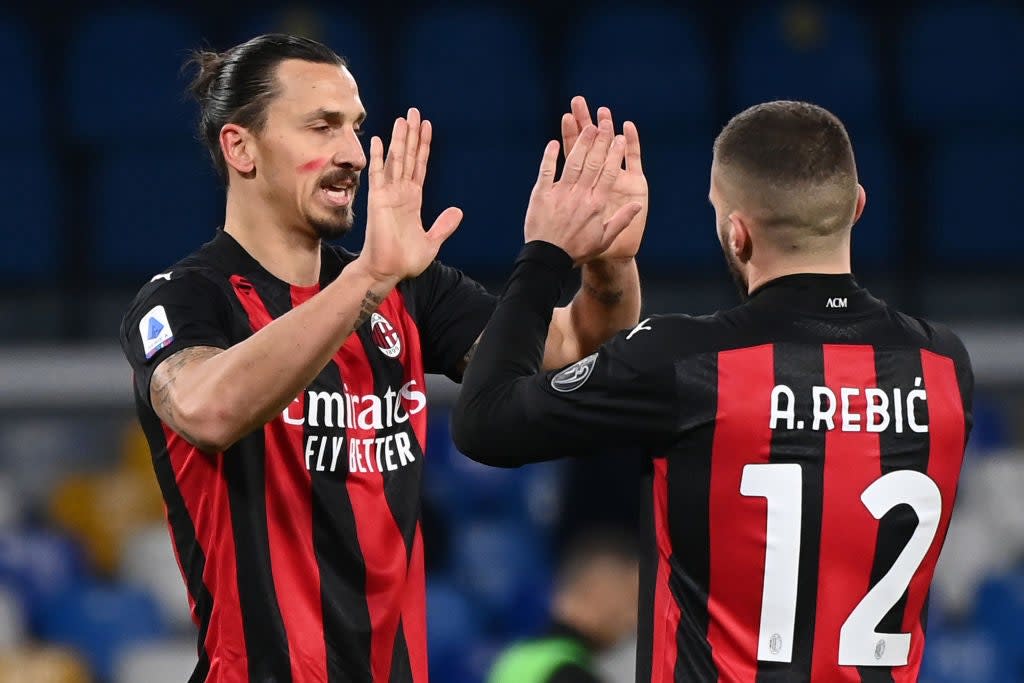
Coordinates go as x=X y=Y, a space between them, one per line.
x=787 y=142
x=595 y=544
x=794 y=165
x=235 y=86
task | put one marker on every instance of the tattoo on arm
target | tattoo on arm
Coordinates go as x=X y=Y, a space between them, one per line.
x=599 y=282
x=161 y=385
x=608 y=298
x=371 y=302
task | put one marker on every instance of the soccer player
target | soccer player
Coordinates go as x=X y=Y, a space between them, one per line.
x=280 y=380
x=594 y=608
x=805 y=446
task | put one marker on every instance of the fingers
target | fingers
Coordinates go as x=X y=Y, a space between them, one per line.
x=423 y=153
x=412 y=142
x=376 y=168
x=445 y=225
x=619 y=222
x=612 y=166
x=633 y=164
x=548 y=164
x=570 y=132
x=574 y=160
x=395 y=161
x=580 y=112
x=597 y=155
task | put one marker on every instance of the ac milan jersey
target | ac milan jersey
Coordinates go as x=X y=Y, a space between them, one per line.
x=805 y=449
x=300 y=545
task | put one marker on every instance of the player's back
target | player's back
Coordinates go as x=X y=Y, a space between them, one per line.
x=800 y=512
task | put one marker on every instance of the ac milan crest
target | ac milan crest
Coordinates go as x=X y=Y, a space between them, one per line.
x=385 y=336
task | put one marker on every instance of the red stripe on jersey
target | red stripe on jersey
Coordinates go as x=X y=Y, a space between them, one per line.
x=666 y=609
x=849 y=533
x=947 y=433
x=288 y=495
x=412 y=360
x=200 y=479
x=738 y=524
x=379 y=537
x=414 y=611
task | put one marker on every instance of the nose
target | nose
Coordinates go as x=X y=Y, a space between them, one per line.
x=350 y=151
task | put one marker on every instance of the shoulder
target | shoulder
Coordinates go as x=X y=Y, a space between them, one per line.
x=678 y=335
x=936 y=337
x=189 y=284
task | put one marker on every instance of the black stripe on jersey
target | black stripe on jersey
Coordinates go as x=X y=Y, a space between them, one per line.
x=401 y=667
x=183 y=532
x=906 y=451
x=689 y=492
x=244 y=465
x=801 y=367
x=335 y=542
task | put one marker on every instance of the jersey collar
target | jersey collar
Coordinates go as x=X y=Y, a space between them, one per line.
x=816 y=292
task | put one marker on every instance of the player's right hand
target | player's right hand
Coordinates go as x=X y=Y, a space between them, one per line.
x=570 y=212
x=396 y=247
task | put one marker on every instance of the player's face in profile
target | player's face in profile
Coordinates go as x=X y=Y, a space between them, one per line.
x=310 y=154
x=724 y=225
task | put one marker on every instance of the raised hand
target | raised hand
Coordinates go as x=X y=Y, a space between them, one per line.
x=396 y=246
x=630 y=186
x=573 y=212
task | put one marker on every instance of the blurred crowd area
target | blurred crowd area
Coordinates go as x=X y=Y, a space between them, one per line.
x=103 y=185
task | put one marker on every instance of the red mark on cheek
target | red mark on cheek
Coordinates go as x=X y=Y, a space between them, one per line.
x=314 y=165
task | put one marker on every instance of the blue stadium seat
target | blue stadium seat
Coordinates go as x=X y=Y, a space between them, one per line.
x=125 y=80
x=452 y=623
x=29 y=193
x=148 y=216
x=962 y=655
x=662 y=80
x=345 y=33
x=463 y=488
x=809 y=52
x=963 y=65
x=966 y=173
x=476 y=66
x=681 y=238
x=502 y=566
x=998 y=611
x=40 y=566
x=481 y=86
x=878 y=236
x=99 y=621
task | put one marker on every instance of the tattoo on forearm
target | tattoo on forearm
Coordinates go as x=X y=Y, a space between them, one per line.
x=606 y=297
x=161 y=386
x=371 y=302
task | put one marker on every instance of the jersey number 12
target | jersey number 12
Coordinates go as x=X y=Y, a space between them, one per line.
x=859 y=643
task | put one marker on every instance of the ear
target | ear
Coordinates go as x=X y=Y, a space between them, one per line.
x=862 y=199
x=237 y=148
x=739 y=237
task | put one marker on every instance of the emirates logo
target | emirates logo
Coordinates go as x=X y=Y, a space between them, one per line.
x=385 y=336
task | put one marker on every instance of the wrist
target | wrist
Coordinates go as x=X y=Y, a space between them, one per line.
x=372 y=278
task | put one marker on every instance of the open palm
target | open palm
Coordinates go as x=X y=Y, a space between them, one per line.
x=630 y=186
x=396 y=244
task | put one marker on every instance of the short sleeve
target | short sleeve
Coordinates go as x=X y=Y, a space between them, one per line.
x=168 y=315
x=451 y=310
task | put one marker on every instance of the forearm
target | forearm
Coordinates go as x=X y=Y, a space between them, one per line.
x=490 y=422
x=236 y=391
x=608 y=301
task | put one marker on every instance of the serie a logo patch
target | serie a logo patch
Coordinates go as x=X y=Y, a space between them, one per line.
x=155 y=331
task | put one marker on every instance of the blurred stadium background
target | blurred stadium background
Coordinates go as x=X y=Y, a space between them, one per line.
x=102 y=185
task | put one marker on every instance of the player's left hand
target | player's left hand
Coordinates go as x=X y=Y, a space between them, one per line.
x=630 y=186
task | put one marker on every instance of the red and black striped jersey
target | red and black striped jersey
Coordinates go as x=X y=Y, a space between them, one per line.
x=805 y=450
x=300 y=545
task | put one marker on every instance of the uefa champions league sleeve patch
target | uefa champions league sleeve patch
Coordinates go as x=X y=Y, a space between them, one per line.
x=155 y=331
x=574 y=376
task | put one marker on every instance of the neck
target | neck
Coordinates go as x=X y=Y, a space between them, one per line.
x=285 y=252
x=824 y=264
